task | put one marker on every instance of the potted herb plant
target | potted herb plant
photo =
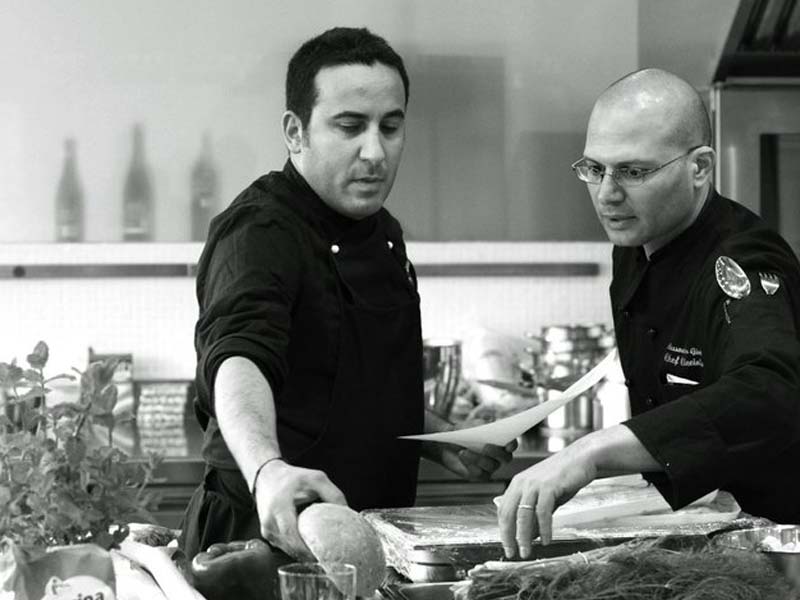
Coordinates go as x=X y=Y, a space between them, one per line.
x=55 y=487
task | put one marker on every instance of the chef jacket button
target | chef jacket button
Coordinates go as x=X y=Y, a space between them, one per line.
x=649 y=402
x=335 y=248
x=390 y=244
x=626 y=314
x=652 y=332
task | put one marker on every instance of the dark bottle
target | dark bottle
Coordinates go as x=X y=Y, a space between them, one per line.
x=204 y=190
x=69 y=198
x=137 y=196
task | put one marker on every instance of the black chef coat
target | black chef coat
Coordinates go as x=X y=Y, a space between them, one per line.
x=714 y=382
x=277 y=285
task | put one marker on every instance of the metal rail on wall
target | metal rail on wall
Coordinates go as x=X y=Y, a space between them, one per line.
x=73 y=271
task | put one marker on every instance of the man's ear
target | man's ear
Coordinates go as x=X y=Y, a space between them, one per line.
x=292 y=132
x=703 y=164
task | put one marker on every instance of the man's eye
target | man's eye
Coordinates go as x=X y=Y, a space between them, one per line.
x=594 y=170
x=349 y=126
x=632 y=172
x=391 y=127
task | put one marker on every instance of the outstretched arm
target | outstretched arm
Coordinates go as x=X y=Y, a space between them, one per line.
x=245 y=410
x=526 y=508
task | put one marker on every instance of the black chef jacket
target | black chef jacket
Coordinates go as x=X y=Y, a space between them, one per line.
x=714 y=382
x=268 y=290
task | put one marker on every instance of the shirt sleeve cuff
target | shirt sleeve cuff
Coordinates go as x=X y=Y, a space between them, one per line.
x=687 y=446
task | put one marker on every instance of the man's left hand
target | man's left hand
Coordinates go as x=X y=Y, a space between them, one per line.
x=469 y=464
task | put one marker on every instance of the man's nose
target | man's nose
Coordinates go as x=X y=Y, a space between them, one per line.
x=372 y=149
x=608 y=189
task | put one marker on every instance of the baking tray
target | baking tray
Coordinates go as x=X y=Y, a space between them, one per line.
x=441 y=543
x=418 y=591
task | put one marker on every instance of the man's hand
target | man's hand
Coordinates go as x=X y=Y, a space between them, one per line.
x=526 y=508
x=471 y=465
x=280 y=488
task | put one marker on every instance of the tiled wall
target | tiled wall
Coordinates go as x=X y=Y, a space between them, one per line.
x=153 y=318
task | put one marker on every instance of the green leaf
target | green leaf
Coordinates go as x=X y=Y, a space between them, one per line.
x=99 y=374
x=105 y=401
x=124 y=417
x=59 y=377
x=31 y=419
x=36 y=502
x=64 y=410
x=38 y=358
x=20 y=472
x=32 y=395
x=33 y=376
x=10 y=374
x=76 y=450
x=64 y=428
x=106 y=420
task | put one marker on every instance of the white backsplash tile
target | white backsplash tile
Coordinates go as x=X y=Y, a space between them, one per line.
x=153 y=318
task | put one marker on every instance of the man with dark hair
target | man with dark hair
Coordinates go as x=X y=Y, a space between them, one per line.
x=336 y=46
x=706 y=307
x=308 y=340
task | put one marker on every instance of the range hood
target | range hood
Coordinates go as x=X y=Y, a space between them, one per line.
x=763 y=41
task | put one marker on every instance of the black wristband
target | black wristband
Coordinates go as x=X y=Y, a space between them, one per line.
x=258 y=472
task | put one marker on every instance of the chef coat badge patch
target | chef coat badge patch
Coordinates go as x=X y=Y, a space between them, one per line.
x=731 y=278
x=770 y=282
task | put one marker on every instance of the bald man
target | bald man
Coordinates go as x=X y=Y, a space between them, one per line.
x=706 y=306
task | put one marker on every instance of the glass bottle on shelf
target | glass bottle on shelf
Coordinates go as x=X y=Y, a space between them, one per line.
x=204 y=191
x=69 y=198
x=137 y=199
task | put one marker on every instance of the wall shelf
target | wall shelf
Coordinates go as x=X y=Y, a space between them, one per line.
x=452 y=259
x=44 y=271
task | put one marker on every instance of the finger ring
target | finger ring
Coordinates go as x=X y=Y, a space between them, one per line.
x=526 y=507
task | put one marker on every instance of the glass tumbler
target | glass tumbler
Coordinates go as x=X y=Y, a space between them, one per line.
x=315 y=581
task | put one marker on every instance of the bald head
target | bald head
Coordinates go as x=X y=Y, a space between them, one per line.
x=653 y=121
x=665 y=97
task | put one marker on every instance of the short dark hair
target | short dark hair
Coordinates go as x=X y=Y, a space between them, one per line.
x=337 y=46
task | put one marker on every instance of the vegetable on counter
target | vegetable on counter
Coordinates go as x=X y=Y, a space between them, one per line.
x=242 y=569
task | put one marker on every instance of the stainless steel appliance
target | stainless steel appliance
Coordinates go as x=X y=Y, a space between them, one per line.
x=757 y=140
x=755 y=101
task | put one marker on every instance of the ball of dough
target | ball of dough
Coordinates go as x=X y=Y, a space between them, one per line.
x=336 y=533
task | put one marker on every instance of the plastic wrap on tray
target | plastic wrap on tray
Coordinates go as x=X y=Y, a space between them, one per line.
x=464 y=536
x=444 y=535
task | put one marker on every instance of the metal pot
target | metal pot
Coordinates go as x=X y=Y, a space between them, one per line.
x=560 y=355
x=441 y=368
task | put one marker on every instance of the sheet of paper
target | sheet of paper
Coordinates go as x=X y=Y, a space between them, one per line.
x=503 y=431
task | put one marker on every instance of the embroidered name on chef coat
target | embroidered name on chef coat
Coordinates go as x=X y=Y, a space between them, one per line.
x=683 y=364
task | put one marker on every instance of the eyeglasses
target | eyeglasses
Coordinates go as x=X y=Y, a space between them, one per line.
x=625 y=176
